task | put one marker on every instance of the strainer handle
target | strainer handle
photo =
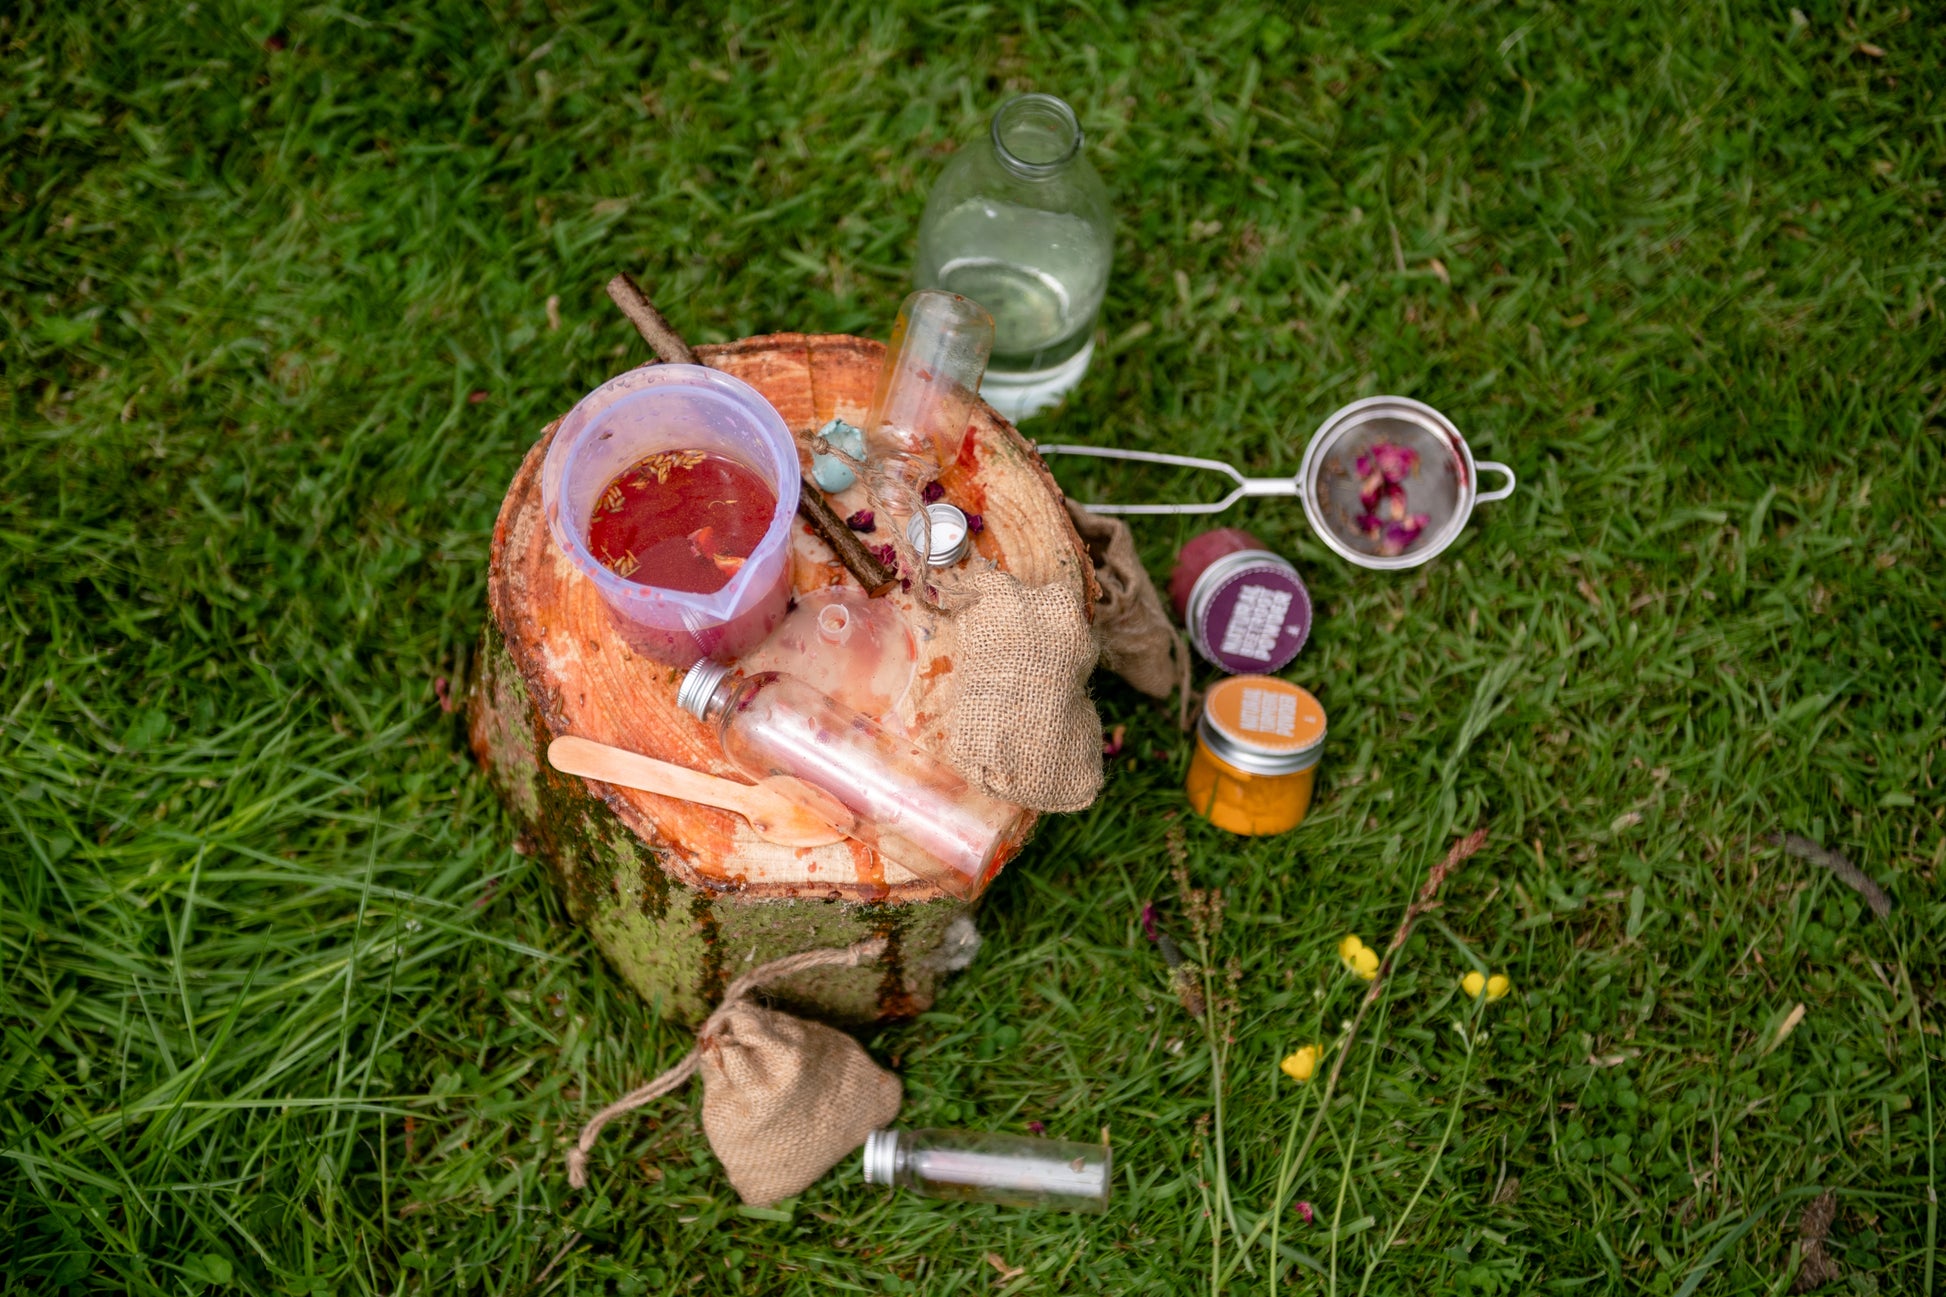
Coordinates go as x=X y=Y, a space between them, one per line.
x=1244 y=485
x=1487 y=497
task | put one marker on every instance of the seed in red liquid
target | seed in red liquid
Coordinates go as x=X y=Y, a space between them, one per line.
x=681 y=520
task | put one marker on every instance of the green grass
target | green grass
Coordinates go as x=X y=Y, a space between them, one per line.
x=284 y=1012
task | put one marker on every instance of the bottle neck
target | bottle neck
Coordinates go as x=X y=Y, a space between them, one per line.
x=1036 y=137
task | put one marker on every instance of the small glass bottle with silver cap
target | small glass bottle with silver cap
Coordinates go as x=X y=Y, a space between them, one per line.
x=855 y=775
x=981 y=1166
x=950 y=539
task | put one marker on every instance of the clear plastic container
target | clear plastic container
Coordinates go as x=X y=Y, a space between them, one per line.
x=861 y=779
x=981 y=1166
x=676 y=407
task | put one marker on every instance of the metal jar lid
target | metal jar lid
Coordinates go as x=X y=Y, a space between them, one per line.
x=1249 y=612
x=1262 y=725
x=699 y=686
x=881 y=1159
x=951 y=537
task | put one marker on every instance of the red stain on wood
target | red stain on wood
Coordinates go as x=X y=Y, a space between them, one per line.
x=870 y=869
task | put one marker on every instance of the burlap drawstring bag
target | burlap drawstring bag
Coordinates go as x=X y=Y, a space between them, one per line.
x=1023 y=726
x=1138 y=643
x=784 y=1100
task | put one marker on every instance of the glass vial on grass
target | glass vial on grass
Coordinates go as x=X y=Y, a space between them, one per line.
x=1019 y=223
x=857 y=776
x=980 y=1166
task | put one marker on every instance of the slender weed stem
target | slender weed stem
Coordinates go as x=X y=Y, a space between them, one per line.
x=1432 y=1163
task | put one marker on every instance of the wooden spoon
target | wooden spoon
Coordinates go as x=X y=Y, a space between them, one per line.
x=776 y=807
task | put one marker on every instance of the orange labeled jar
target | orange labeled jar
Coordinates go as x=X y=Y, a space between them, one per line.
x=1257 y=750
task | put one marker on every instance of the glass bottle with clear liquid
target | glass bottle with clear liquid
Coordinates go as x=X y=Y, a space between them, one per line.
x=1020 y=224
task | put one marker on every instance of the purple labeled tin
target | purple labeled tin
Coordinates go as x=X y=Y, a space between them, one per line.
x=1245 y=608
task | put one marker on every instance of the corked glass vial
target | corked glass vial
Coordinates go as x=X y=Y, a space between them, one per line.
x=982 y=1166
x=1257 y=751
x=1245 y=607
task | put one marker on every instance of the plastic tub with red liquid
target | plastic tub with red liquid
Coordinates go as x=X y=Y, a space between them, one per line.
x=679 y=416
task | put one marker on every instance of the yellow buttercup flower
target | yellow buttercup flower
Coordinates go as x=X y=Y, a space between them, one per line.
x=1495 y=987
x=1358 y=957
x=1303 y=1065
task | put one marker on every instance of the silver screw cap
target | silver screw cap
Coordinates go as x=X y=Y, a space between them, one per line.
x=699 y=686
x=951 y=537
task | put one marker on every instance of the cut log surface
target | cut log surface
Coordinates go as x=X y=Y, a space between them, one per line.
x=681 y=896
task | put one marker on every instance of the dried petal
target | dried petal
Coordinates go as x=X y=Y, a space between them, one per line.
x=862 y=521
x=1395 y=538
x=1394 y=463
x=975 y=523
x=933 y=493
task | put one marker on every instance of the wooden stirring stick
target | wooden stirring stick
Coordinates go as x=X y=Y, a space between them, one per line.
x=774 y=807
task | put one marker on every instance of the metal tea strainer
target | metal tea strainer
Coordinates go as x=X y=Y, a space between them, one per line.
x=1444 y=487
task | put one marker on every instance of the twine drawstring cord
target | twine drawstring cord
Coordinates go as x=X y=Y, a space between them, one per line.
x=777 y=969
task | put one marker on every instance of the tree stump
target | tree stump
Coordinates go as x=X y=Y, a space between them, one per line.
x=682 y=897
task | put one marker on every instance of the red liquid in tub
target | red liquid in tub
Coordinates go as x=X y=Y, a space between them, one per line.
x=681 y=520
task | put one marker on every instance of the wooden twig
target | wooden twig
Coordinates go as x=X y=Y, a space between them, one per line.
x=649 y=322
x=851 y=551
x=1848 y=874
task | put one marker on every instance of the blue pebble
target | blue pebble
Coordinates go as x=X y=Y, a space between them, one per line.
x=830 y=472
